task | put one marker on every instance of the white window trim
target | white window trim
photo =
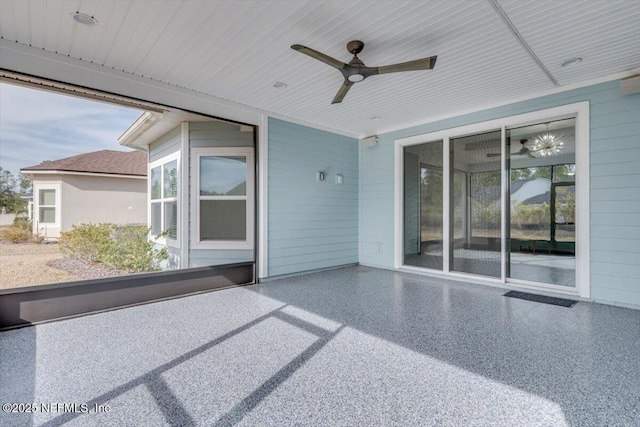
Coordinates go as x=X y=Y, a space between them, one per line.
x=36 y=212
x=196 y=154
x=580 y=111
x=166 y=241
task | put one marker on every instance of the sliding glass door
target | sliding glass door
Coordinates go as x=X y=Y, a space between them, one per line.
x=424 y=205
x=475 y=232
x=541 y=159
x=499 y=204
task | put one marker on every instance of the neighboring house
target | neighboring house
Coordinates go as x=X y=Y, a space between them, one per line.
x=101 y=186
x=526 y=189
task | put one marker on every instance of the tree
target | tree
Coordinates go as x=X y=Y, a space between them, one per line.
x=26 y=186
x=10 y=199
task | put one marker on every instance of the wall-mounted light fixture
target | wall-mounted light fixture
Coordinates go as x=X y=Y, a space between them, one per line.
x=630 y=85
x=370 y=141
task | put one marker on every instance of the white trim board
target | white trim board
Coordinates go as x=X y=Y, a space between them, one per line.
x=61 y=172
x=173 y=243
x=262 y=151
x=20 y=58
x=578 y=110
x=183 y=200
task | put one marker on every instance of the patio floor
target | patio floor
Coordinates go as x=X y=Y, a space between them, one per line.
x=353 y=346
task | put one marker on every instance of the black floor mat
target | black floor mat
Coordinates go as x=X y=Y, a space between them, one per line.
x=541 y=298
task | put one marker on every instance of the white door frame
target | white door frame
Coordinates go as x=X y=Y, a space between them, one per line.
x=578 y=110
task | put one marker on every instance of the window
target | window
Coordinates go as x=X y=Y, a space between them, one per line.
x=224 y=186
x=163 y=190
x=47 y=206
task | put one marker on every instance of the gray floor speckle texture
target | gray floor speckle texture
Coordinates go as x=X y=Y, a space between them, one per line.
x=355 y=346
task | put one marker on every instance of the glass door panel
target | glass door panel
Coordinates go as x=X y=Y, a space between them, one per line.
x=423 y=205
x=541 y=161
x=475 y=232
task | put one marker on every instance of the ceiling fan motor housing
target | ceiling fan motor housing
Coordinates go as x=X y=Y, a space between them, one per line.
x=355 y=47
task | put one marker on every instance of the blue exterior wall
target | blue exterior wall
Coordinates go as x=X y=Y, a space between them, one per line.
x=215 y=134
x=167 y=144
x=312 y=224
x=614 y=198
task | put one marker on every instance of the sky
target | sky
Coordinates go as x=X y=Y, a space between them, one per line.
x=37 y=125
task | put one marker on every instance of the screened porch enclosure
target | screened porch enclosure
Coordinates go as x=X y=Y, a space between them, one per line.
x=506 y=215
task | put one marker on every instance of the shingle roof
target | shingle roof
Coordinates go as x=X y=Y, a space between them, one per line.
x=104 y=161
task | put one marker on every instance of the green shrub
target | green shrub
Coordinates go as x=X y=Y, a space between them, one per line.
x=124 y=247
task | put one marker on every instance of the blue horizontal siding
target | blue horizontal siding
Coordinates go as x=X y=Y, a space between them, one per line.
x=608 y=294
x=614 y=175
x=205 y=257
x=312 y=224
x=614 y=256
x=168 y=143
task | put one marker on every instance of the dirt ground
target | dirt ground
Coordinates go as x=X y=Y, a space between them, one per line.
x=24 y=264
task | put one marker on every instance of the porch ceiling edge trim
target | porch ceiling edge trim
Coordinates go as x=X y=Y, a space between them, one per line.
x=23 y=59
x=17 y=63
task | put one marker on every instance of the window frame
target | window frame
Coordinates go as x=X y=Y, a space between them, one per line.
x=164 y=240
x=57 y=187
x=249 y=197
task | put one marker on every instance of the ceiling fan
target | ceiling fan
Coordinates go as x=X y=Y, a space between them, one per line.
x=524 y=151
x=355 y=71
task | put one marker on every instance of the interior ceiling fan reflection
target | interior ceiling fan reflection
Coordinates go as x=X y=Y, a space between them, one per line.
x=544 y=145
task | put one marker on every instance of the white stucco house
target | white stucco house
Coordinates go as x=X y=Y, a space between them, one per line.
x=101 y=186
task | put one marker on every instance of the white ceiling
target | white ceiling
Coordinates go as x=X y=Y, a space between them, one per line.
x=237 y=50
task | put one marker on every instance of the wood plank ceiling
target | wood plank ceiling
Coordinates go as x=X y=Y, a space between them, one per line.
x=237 y=50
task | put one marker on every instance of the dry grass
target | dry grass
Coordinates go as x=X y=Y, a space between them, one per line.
x=24 y=264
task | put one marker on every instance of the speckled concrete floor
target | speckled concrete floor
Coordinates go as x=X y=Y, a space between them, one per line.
x=355 y=346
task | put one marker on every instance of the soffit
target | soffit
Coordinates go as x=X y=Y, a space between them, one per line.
x=238 y=50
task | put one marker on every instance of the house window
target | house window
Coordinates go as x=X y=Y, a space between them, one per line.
x=163 y=191
x=47 y=206
x=224 y=187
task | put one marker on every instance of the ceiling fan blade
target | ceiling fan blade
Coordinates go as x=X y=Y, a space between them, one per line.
x=418 y=64
x=531 y=155
x=342 y=92
x=319 y=56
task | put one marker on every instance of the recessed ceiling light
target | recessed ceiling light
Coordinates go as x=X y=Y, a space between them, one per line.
x=84 y=19
x=571 y=62
x=280 y=85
